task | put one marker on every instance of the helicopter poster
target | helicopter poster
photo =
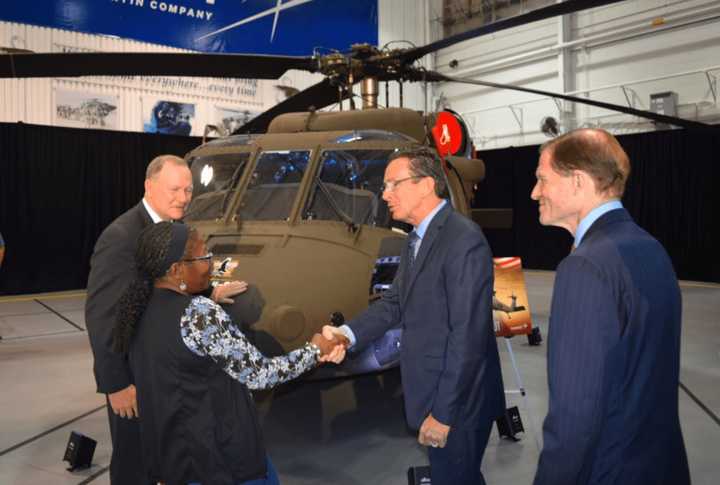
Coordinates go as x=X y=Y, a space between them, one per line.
x=80 y=109
x=230 y=119
x=511 y=310
x=167 y=117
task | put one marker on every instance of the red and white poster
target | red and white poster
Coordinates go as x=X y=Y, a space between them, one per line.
x=511 y=311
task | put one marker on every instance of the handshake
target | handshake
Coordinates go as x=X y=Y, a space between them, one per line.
x=332 y=344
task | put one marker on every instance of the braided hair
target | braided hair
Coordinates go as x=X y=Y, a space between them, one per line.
x=150 y=263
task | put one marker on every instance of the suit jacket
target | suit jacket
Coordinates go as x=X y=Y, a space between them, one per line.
x=112 y=269
x=448 y=359
x=613 y=363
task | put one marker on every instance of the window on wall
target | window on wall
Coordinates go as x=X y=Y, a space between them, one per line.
x=215 y=178
x=273 y=185
x=348 y=188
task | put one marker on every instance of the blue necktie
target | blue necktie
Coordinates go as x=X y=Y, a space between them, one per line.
x=413 y=240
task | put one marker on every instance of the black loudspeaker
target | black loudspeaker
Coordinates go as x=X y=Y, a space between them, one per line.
x=419 y=475
x=79 y=451
x=534 y=337
x=510 y=423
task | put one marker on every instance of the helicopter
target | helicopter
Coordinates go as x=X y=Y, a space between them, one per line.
x=292 y=200
x=498 y=305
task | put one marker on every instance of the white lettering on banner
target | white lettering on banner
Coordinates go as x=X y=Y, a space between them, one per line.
x=172 y=8
x=176 y=9
x=135 y=3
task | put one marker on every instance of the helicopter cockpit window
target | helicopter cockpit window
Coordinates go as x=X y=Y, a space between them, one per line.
x=365 y=135
x=214 y=180
x=273 y=186
x=348 y=188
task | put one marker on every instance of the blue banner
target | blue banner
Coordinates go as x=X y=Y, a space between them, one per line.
x=287 y=27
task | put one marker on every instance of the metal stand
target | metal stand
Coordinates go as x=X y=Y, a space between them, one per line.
x=521 y=390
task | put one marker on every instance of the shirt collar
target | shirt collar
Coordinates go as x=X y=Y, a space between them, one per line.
x=153 y=215
x=593 y=216
x=422 y=227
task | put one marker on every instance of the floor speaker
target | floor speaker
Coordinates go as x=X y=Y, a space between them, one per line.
x=419 y=475
x=79 y=451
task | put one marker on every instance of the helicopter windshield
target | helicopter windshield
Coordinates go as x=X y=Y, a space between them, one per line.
x=273 y=185
x=353 y=180
x=214 y=180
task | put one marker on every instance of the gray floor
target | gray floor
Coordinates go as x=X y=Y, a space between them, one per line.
x=332 y=432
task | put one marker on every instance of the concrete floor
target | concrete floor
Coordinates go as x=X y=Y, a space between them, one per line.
x=348 y=431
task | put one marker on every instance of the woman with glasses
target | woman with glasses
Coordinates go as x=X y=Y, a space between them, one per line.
x=194 y=368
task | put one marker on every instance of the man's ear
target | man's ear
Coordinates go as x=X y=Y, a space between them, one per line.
x=430 y=187
x=582 y=181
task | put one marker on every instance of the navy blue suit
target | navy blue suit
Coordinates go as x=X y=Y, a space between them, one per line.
x=449 y=359
x=613 y=363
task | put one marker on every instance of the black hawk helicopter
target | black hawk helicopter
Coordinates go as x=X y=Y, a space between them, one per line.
x=292 y=200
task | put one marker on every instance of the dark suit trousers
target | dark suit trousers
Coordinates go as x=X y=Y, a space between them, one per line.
x=126 y=463
x=459 y=462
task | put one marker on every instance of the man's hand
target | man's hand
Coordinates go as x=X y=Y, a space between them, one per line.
x=223 y=292
x=124 y=402
x=433 y=433
x=336 y=335
x=331 y=350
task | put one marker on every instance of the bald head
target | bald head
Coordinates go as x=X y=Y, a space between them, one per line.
x=596 y=152
x=157 y=163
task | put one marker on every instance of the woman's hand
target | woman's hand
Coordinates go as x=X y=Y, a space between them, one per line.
x=330 y=350
x=223 y=292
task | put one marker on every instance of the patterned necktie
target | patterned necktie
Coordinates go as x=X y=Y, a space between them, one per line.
x=413 y=240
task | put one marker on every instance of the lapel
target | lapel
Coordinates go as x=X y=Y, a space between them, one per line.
x=428 y=241
x=611 y=217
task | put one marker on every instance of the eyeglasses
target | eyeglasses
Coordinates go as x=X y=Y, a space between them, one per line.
x=390 y=185
x=207 y=257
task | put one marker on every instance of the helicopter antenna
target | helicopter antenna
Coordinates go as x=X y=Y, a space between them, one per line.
x=311 y=115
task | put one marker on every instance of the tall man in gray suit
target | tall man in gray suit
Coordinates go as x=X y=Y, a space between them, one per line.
x=614 y=333
x=168 y=190
x=442 y=298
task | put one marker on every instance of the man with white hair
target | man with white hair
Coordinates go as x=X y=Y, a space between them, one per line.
x=168 y=191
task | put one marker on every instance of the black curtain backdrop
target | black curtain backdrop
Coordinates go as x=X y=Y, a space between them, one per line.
x=59 y=188
x=672 y=193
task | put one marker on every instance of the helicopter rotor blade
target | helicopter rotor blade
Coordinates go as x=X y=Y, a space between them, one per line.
x=316 y=96
x=672 y=120
x=554 y=10
x=66 y=64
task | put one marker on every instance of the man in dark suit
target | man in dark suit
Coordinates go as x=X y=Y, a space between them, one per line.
x=614 y=333
x=442 y=298
x=168 y=190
